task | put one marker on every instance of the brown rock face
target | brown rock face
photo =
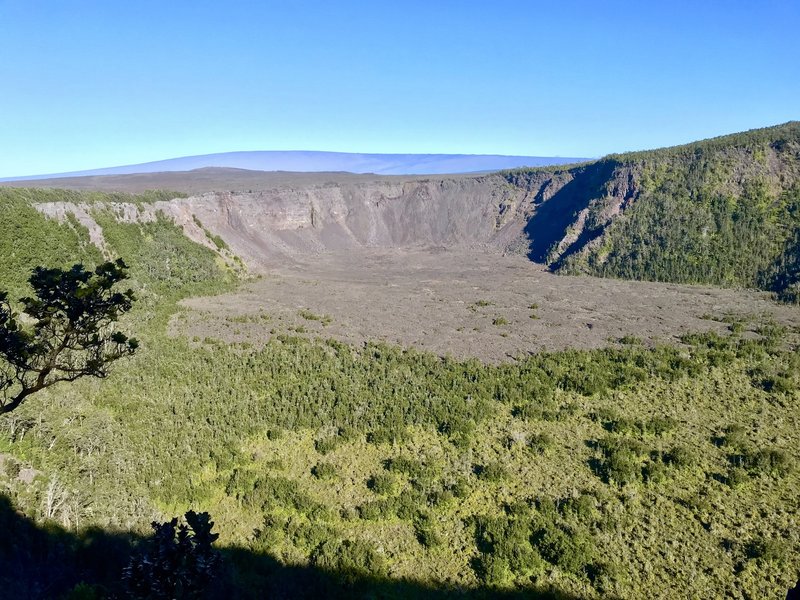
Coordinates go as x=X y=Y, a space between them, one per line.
x=271 y=226
x=552 y=215
x=263 y=227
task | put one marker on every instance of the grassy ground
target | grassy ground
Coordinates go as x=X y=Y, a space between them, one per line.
x=285 y=456
x=622 y=472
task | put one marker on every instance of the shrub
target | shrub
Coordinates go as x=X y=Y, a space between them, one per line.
x=274 y=433
x=425 y=532
x=349 y=514
x=493 y=571
x=327 y=444
x=12 y=467
x=776 y=383
x=382 y=484
x=581 y=507
x=240 y=483
x=407 y=466
x=371 y=511
x=324 y=471
x=603 y=415
x=518 y=509
x=767 y=550
x=427 y=536
x=680 y=456
x=566 y=410
x=770 y=462
x=624 y=425
x=493 y=471
x=621 y=468
x=771 y=333
x=506 y=553
x=458 y=428
x=460 y=488
x=543 y=408
x=622 y=460
x=540 y=443
x=349 y=560
x=408 y=504
x=348 y=433
x=734 y=437
x=605 y=576
x=654 y=471
x=572 y=551
x=660 y=425
x=439 y=497
x=298 y=530
x=547 y=508
x=736 y=477
x=736 y=327
x=387 y=435
x=271 y=492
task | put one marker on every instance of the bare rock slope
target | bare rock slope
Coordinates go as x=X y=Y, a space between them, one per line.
x=499 y=213
x=719 y=211
x=270 y=226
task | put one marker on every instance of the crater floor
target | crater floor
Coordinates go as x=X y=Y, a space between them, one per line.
x=465 y=304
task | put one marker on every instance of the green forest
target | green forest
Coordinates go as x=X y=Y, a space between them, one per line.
x=724 y=211
x=377 y=471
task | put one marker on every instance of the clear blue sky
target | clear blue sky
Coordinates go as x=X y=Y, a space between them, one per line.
x=94 y=84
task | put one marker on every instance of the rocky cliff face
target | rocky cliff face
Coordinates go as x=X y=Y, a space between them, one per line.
x=724 y=211
x=537 y=213
x=268 y=227
x=583 y=218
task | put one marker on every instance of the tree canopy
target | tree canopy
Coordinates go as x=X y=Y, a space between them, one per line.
x=67 y=331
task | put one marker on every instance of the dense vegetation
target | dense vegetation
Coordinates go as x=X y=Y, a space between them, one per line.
x=625 y=472
x=747 y=241
x=724 y=211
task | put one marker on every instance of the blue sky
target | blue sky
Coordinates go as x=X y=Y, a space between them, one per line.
x=95 y=84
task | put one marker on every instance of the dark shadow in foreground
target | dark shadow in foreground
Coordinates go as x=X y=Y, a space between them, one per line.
x=48 y=562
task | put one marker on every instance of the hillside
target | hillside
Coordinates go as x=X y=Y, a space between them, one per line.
x=509 y=434
x=724 y=211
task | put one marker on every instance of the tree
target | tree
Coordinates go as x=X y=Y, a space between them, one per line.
x=68 y=332
x=177 y=563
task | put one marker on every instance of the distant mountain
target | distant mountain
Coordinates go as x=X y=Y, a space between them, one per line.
x=311 y=162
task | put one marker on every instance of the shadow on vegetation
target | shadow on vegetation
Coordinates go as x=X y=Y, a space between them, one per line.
x=46 y=562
